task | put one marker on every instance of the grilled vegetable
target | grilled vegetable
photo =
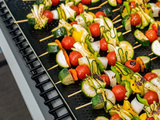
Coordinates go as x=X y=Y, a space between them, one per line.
x=156 y=47
x=65 y=77
x=126 y=22
x=98 y=101
x=147 y=61
x=156 y=71
x=59 y=32
x=112 y=2
x=141 y=38
x=61 y=60
x=52 y=47
x=101 y=118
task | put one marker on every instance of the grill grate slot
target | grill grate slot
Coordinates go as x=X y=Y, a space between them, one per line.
x=43 y=83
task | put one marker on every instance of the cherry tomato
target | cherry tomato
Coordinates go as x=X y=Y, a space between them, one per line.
x=75 y=9
x=119 y=1
x=94 y=28
x=55 y=2
x=103 y=44
x=135 y=19
x=86 y=1
x=111 y=56
x=100 y=13
x=151 y=118
x=105 y=78
x=149 y=76
x=49 y=15
x=80 y=7
x=67 y=42
x=72 y=23
x=73 y=57
x=133 y=64
x=151 y=96
x=132 y=4
x=154 y=27
x=82 y=71
x=151 y=35
x=119 y=92
x=115 y=117
x=158 y=4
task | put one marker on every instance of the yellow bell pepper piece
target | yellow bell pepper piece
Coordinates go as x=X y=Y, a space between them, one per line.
x=134 y=86
x=143 y=116
x=77 y=36
x=127 y=107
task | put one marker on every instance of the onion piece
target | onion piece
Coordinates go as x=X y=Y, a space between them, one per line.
x=110 y=96
x=80 y=21
x=155 y=9
x=156 y=82
x=137 y=106
x=55 y=14
x=104 y=61
x=96 y=46
x=112 y=77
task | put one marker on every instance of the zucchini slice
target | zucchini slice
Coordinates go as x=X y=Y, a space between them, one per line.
x=156 y=82
x=147 y=61
x=98 y=101
x=113 y=3
x=127 y=47
x=101 y=118
x=141 y=38
x=59 y=32
x=52 y=47
x=65 y=77
x=157 y=72
x=87 y=89
x=126 y=22
x=156 y=47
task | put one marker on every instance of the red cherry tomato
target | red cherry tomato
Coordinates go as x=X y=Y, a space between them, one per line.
x=86 y=2
x=115 y=117
x=72 y=23
x=133 y=64
x=75 y=9
x=73 y=57
x=100 y=13
x=149 y=76
x=135 y=19
x=119 y=1
x=158 y=4
x=55 y=2
x=119 y=92
x=94 y=28
x=67 y=42
x=80 y=7
x=82 y=71
x=151 y=118
x=151 y=35
x=154 y=27
x=132 y=4
x=151 y=96
x=49 y=15
x=111 y=56
x=103 y=44
x=105 y=78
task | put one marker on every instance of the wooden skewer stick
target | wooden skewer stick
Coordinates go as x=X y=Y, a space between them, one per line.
x=126 y=32
x=21 y=21
x=93 y=8
x=52 y=67
x=75 y=93
x=117 y=21
x=116 y=17
x=150 y=54
x=119 y=27
x=83 y=105
x=45 y=38
x=154 y=58
x=57 y=82
x=43 y=54
x=137 y=46
x=115 y=10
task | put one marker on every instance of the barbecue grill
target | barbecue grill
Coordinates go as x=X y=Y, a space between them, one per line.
x=26 y=40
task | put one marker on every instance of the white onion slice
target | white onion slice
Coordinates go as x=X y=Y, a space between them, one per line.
x=110 y=96
x=96 y=46
x=55 y=14
x=137 y=106
x=80 y=21
x=104 y=61
x=156 y=82
x=112 y=77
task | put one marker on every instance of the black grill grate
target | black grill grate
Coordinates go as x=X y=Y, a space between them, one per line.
x=31 y=59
